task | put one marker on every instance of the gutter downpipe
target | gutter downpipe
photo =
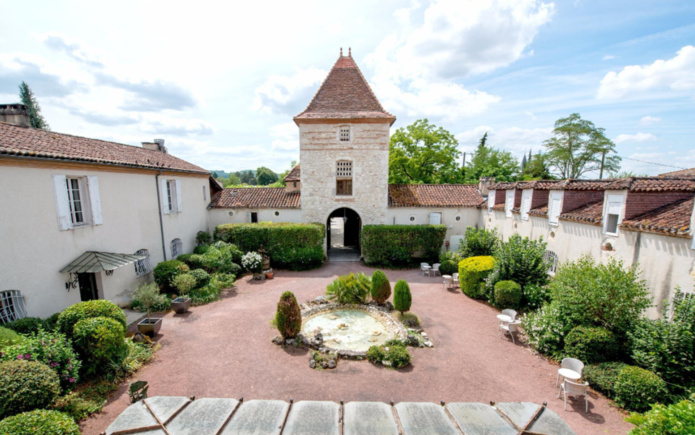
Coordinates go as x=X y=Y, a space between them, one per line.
x=159 y=207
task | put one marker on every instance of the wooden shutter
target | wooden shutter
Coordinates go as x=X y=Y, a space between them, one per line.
x=525 y=204
x=179 y=204
x=435 y=218
x=163 y=196
x=509 y=202
x=491 y=200
x=94 y=200
x=554 y=210
x=60 y=189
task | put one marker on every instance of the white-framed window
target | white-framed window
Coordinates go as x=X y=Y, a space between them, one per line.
x=344 y=133
x=176 y=248
x=11 y=306
x=525 y=203
x=612 y=217
x=435 y=218
x=412 y=218
x=171 y=196
x=551 y=258
x=491 y=200
x=77 y=201
x=343 y=178
x=554 y=207
x=509 y=202
x=143 y=267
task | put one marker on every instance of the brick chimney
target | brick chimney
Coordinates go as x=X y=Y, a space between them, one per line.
x=14 y=114
x=155 y=145
x=484 y=185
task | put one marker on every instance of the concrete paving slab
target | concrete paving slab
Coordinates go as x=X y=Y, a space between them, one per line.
x=258 y=417
x=313 y=418
x=519 y=412
x=164 y=407
x=424 y=418
x=132 y=316
x=135 y=416
x=478 y=418
x=202 y=417
x=368 y=418
x=551 y=423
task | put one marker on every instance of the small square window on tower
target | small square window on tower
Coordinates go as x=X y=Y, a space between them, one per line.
x=343 y=177
x=344 y=133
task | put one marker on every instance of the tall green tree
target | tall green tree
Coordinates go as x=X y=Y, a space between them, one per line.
x=422 y=153
x=232 y=180
x=578 y=147
x=26 y=97
x=490 y=162
x=536 y=168
x=265 y=176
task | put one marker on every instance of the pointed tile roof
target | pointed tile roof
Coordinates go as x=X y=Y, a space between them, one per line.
x=345 y=94
x=434 y=195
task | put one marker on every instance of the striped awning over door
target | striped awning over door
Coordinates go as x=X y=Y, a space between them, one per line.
x=92 y=262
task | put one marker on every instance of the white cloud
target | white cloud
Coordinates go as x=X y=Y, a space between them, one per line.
x=288 y=95
x=608 y=57
x=517 y=140
x=649 y=120
x=676 y=74
x=285 y=137
x=631 y=138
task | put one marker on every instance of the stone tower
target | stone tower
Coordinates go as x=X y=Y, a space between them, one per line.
x=344 y=148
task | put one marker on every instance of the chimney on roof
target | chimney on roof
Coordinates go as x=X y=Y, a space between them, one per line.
x=155 y=145
x=14 y=114
x=484 y=185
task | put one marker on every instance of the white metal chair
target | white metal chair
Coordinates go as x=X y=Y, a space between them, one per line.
x=448 y=282
x=510 y=313
x=425 y=268
x=569 y=388
x=435 y=269
x=457 y=284
x=511 y=328
x=572 y=364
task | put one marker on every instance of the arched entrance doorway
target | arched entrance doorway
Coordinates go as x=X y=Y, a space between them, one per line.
x=343 y=229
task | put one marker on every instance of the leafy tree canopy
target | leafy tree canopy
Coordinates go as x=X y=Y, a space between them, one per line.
x=265 y=176
x=422 y=153
x=26 y=97
x=578 y=147
x=537 y=168
x=489 y=162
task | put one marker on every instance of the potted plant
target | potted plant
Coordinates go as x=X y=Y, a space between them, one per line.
x=184 y=283
x=253 y=262
x=149 y=296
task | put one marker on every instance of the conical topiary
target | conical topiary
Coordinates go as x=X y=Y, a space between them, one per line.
x=401 y=296
x=288 y=317
x=381 y=288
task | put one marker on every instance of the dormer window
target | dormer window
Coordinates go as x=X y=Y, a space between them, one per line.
x=344 y=134
x=613 y=209
x=343 y=177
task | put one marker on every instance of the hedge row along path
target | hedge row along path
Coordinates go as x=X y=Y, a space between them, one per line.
x=224 y=349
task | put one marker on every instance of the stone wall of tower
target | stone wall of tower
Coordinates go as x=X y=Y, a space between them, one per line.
x=368 y=149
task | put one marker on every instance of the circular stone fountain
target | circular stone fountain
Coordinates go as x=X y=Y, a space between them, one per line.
x=351 y=329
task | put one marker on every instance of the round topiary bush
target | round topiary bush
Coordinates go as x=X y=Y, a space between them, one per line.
x=401 y=296
x=381 y=288
x=40 y=421
x=288 y=316
x=165 y=272
x=472 y=273
x=636 y=389
x=85 y=310
x=26 y=385
x=507 y=294
x=202 y=278
x=375 y=354
x=99 y=340
x=26 y=325
x=591 y=344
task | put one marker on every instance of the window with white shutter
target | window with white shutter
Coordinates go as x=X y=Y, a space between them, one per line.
x=525 y=204
x=435 y=218
x=171 y=196
x=612 y=218
x=509 y=202
x=77 y=201
x=554 y=207
x=491 y=200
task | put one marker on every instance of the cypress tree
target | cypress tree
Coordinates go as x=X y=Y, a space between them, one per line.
x=26 y=97
x=381 y=288
x=401 y=296
x=288 y=317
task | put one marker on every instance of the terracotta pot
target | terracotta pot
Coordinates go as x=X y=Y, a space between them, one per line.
x=270 y=275
x=150 y=327
x=181 y=305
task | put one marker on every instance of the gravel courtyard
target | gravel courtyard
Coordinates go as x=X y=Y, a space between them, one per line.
x=224 y=349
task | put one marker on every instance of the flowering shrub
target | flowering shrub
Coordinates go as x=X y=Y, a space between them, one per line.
x=50 y=348
x=678 y=418
x=546 y=329
x=26 y=385
x=252 y=261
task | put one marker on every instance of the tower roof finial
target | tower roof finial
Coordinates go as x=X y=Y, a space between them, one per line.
x=341 y=51
x=350 y=51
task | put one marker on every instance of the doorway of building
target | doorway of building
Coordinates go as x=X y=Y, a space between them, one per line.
x=343 y=229
x=88 y=286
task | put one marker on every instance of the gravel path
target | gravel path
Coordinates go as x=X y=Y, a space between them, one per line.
x=224 y=349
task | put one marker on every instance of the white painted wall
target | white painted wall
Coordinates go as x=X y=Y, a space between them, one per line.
x=469 y=217
x=219 y=216
x=33 y=249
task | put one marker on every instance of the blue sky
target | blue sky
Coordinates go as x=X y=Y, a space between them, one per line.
x=221 y=82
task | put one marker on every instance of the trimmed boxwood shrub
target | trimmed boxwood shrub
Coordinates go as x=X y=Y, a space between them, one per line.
x=449 y=262
x=202 y=278
x=84 y=310
x=401 y=296
x=591 y=344
x=26 y=385
x=50 y=348
x=289 y=245
x=165 y=272
x=602 y=376
x=636 y=389
x=480 y=242
x=27 y=325
x=40 y=421
x=507 y=294
x=8 y=337
x=99 y=340
x=398 y=355
x=472 y=274
x=381 y=288
x=288 y=317
x=402 y=245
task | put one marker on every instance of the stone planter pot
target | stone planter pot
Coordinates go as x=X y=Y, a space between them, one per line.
x=181 y=305
x=150 y=327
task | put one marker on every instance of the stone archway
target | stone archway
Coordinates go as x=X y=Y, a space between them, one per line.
x=343 y=231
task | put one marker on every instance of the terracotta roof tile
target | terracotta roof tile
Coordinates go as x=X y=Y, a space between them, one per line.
x=671 y=220
x=590 y=213
x=586 y=184
x=255 y=197
x=503 y=185
x=540 y=184
x=345 y=94
x=294 y=174
x=29 y=142
x=654 y=184
x=682 y=173
x=539 y=211
x=434 y=195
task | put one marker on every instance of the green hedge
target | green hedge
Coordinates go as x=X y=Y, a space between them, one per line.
x=507 y=294
x=26 y=325
x=472 y=273
x=40 y=421
x=591 y=344
x=402 y=245
x=85 y=310
x=633 y=388
x=678 y=418
x=99 y=340
x=290 y=246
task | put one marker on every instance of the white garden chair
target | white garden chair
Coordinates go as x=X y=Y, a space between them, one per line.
x=457 y=284
x=510 y=313
x=510 y=327
x=435 y=269
x=448 y=282
x=570 y=368
x=425 y=268
x=569 y=388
